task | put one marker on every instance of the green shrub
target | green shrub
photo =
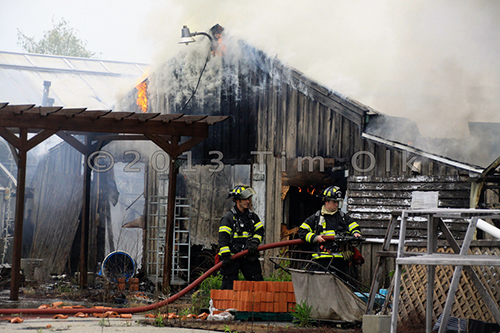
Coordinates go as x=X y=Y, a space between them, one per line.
x=201 y=298
x=159 y=322
x=301 y=314
x=214 y=281
x=280 y=276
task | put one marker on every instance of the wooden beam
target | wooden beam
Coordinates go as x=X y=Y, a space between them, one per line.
x=188 y=144
x=126 y=137
x=100 y=122
x=73 y=142
x=17 y=109
x=46 y=121
x=10 y=137
x=163 y=144
x=381 y=263
x=39 y=138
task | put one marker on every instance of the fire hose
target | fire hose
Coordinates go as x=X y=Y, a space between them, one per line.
x=157 y=305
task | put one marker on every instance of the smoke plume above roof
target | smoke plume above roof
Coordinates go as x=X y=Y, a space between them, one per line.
x=434 y=62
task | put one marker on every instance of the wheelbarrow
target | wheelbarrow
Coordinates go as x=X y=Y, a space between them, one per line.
x=333 y=295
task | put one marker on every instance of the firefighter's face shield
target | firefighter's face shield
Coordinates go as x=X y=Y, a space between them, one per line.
x=246 y=193
x=340 y=202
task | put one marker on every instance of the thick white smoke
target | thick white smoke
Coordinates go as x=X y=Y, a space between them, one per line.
x=433 y=61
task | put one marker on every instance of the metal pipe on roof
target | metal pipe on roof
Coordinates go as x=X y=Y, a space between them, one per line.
x=46 y=100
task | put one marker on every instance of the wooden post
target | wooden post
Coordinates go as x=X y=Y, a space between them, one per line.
x=18 y=224
x=84 y=236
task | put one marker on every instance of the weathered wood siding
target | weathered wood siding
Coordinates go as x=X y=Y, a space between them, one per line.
x=56 y=216
x=57 y=204
x=208 y=192
x=370 y=201
x=283 y=115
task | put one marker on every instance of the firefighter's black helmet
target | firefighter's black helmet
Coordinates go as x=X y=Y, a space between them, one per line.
x=241 y=192
x=331 y=193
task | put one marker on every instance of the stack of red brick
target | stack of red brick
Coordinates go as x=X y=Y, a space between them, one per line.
x=256 y=296
x=131 y=284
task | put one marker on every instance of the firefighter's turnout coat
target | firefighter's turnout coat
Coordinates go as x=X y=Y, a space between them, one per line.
x=237 y=229
x=334 y=224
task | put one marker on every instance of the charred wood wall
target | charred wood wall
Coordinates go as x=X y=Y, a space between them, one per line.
x=271 y=108
x=274 y=111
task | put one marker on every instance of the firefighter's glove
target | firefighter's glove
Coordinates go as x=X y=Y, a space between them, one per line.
x=252 y=247
x=226 y=261
x=347 y=254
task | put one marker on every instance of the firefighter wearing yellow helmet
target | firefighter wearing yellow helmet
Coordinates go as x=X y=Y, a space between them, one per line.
x=329 y=221
x=240 y=229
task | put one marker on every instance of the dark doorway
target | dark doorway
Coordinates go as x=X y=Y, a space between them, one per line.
x=302 y=202
x=299 y=204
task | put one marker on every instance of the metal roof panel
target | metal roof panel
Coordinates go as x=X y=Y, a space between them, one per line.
x=75 y=82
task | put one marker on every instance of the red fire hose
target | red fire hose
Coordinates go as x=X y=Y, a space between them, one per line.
x=159 y=304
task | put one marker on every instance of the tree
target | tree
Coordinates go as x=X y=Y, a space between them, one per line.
x=60 y=40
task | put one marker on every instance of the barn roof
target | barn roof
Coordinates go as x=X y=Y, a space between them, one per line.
x=479 y=149
x=423 y=153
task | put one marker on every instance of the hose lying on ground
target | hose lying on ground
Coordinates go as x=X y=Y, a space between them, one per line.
x=158 y=304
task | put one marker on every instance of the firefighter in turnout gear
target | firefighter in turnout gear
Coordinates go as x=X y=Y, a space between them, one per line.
x=330 y=221
x=240 y=229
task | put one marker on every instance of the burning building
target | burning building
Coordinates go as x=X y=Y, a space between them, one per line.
x=288 y=136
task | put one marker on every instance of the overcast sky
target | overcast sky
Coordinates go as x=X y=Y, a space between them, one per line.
x=434 y=61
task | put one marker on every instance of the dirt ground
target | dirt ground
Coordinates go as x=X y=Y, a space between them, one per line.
x=36 y=295
x=138 y=325
x=263 y=327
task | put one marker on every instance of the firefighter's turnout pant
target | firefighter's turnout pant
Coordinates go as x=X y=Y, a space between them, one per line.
x=250 y=268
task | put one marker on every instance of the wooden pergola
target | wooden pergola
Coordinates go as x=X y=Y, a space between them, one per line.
x=174 y=133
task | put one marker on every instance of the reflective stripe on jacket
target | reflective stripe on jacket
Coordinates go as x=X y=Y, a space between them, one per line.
x=327 y=225
x=236 y=228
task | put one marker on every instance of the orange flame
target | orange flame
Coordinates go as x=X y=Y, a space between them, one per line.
x=221 y=48
x=309 y=190
x=142 y=96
